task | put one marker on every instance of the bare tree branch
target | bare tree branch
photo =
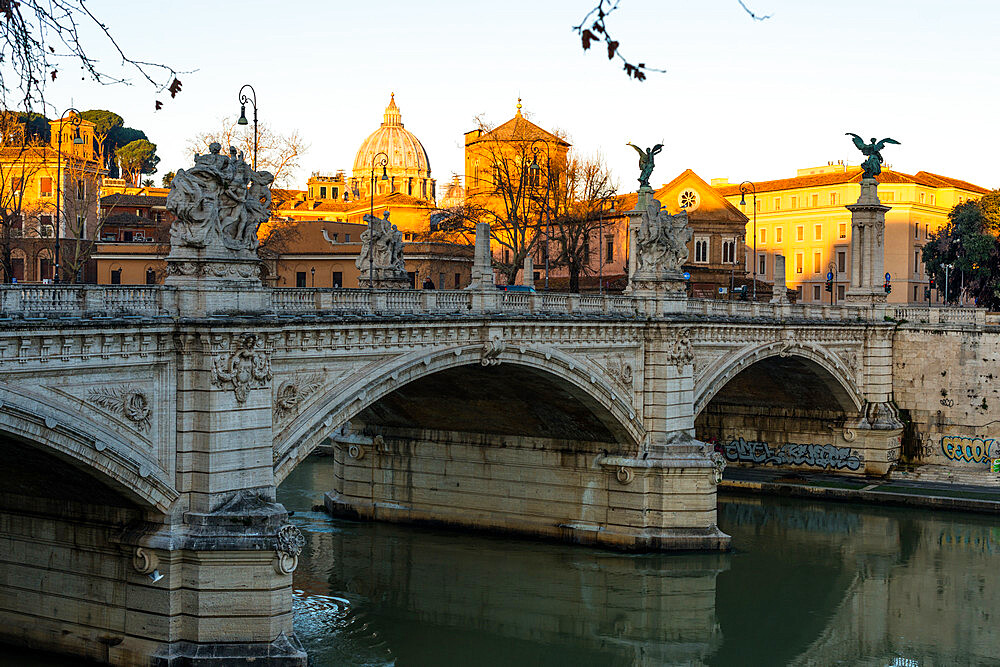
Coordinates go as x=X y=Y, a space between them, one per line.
x=752 y=15
x=598 y=30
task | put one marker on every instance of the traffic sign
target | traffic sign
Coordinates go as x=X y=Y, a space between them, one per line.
x=888 y=276
x=829 y=275
x=687 y=276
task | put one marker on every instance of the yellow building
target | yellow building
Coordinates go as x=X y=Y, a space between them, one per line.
x=408 y=170
x=33 y=177
x=804 y=219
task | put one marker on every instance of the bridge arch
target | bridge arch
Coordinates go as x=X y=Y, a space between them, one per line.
x=580 y=380
x=34 y=421
x=789 y=361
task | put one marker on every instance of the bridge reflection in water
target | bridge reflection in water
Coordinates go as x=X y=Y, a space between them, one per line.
x=807 y=584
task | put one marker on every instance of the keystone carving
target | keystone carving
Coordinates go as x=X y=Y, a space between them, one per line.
x=126 y=401
x=492 y=349
x=288 y=545
x=291 y=393
x=246 y=367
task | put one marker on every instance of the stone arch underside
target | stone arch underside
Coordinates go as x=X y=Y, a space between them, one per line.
x=773 y=375
x=71 y=452
x=537 y=393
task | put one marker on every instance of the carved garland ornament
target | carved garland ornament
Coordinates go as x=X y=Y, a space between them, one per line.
x=125 y=400
x=620 y=370
x=246 y=367
x=288 y=545
x=291 y=393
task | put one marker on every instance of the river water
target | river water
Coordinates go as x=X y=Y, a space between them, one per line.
x=805 y=584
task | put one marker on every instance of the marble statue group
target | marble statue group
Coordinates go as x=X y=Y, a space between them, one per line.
x=381 y=249
x=220 y=200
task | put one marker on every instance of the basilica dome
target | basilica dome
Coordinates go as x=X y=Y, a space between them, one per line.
x=408 y=169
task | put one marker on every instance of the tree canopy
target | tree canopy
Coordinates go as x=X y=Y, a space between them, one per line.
x=970 y=244
x=111 y=126
x=137 y=157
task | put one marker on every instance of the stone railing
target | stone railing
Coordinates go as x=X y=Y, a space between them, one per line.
x=108 y=301
x=43 y=301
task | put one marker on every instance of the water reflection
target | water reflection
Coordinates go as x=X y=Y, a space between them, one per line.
x=807 y=584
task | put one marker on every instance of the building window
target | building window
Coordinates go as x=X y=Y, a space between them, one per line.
x=334 y=193
x=338 y=279
x=920 y=197
x=506 y=256
x=300 y=278
x=150 y=277
x=932 y=200
x=800 y=233
x=888 y=196
x=758 y=206
x=840 y=292
x=815 y=201
x=833 y=199
x=763 y=236
x=777 y=203
x=116 y=276
x=817 y=295
x=322 y=192
x=799 y=261
x=916 y=230
x=916 y=262
x=458 y=278
x=777 y=234
x=842 y=230
x=817 y=261
x=347 y=238
x=81 y=225
x=609 y=249
x=817 y=232
x=81 y=189
x=761 y=264
x=915 y=293
x=45 y=187
x=701 y=250
x=841 y=261
x=794 y=202
x=729 y=251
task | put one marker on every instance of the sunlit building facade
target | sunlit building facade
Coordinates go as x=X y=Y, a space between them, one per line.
x=804 y=218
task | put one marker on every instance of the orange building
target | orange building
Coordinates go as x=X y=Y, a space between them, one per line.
x=33 y=177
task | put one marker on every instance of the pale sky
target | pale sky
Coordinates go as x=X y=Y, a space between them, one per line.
x=741 y=99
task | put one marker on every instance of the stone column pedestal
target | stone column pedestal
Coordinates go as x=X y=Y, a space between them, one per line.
x=661 y=291
x=214 y=281
x=779 y=294
x=867 y=247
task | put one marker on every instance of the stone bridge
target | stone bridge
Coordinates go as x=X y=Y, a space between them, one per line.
x=144 y=435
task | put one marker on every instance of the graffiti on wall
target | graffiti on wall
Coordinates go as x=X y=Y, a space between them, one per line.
x=820 y=456
x=969 y=450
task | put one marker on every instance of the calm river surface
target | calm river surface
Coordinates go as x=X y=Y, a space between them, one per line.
x=806 y=584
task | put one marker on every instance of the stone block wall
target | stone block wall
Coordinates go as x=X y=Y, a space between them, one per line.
x=571 y=491
x=948 y=382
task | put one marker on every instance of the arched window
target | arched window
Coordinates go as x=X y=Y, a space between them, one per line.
x=150 y=276
x=46 y=267
x=116 y=274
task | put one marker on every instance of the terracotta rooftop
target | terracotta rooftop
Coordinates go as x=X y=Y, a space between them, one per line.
x=853 y=175
x=519 y=128
x=132 y=201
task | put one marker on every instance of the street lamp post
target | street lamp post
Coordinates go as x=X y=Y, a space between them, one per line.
x=74 y=120
x=535 y=150
x=745 y=187
x=947 y=268
x=380 y=159
x=244 y=100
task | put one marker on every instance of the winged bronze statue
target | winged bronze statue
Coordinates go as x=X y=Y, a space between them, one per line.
x=873 y=165
x=645 y=162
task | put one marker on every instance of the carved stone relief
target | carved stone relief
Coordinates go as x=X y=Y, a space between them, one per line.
x=288 y=545
x=124 y=400
x=492 y=349
x=246 y=367
x=292 y=392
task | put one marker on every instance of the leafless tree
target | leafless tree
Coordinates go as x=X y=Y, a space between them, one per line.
x=513 y=178
x=277 y=153
x=578 y=206
x=39 y=36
